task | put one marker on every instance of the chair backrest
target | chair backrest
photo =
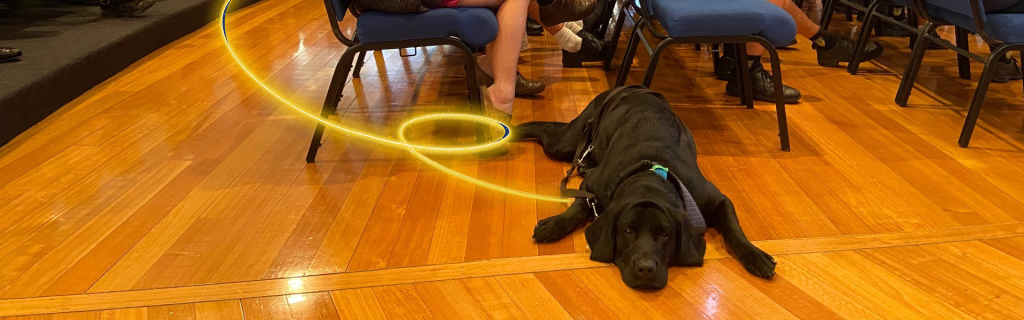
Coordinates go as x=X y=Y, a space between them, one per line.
x=335 y=13
x=340 y=6
x=964 y=7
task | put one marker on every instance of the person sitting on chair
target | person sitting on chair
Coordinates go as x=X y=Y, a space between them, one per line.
x=578 y=45
x=831 y=48
x=503 y=52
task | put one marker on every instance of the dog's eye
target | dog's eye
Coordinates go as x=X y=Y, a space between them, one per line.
x=628 y=230
x=664 y=234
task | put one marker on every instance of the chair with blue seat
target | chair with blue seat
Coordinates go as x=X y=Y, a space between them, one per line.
x=1003 y=31
x=873 y=15
x=732 y=22
x=462 y=28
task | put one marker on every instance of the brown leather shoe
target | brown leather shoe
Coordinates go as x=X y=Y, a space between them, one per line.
x=9 y=54
x=553 y=12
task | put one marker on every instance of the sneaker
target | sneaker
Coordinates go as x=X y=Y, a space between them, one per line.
x=533 y=28
x=842 y=51
x=764 y=87
x=1006 y=70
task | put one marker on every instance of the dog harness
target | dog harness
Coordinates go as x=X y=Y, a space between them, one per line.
x=586 y=145
x=689 y=204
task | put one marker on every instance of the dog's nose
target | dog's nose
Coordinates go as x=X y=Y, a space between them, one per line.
x=645 y=268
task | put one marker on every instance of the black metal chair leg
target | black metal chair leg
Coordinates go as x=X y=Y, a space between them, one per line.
x=963 y=62
x=780 y=99
x=828 y=8
x=743 y=71
x=359 y=64
x=331 y=101
x=649 y=76
x=913 y=21
x=864 y=37
x=979 y=98
x=627 y=58
x=616 y=33
x=914 y=65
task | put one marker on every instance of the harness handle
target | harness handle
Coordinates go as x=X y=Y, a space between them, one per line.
x=585 y=143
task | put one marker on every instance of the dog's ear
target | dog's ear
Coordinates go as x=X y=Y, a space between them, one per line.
x=601 y=236
x=691 y=246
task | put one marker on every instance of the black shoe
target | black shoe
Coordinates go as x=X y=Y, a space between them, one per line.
x=591 y=50
x=726 y=65
x=842 y=51
x=9 y=54
x=560 y=11
x=790 y=44
x=886 y=29
x=524 y=86
x=533 y=28
x=764 y=88
x=1006 y=70
x=125 y=8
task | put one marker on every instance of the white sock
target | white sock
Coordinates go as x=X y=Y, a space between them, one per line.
x=568 y=40
x=575 y=26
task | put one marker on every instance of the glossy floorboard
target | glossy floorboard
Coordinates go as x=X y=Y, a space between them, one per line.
x=178 y=189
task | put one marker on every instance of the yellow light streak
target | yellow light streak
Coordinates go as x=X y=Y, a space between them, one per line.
x=415 y=149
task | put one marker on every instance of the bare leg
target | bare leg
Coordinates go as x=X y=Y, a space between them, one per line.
x=503 y=52
x=804 y=25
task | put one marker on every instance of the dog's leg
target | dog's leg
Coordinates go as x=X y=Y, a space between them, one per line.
x=557 y=227
x=558 y=141
x=753 y=258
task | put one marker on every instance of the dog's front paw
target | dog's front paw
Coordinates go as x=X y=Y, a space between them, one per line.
x=758 y=263
x=552 y=229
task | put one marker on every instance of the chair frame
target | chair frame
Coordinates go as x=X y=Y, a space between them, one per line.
x=873 y=15
x=636 y=37
x=914 y=66
x=345 y=64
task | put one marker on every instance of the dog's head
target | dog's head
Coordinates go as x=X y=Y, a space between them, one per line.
x=644 y=237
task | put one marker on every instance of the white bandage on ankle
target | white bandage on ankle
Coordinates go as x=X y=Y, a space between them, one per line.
x=568 y=40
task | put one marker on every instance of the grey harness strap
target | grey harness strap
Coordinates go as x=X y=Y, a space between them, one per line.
x=689 y=204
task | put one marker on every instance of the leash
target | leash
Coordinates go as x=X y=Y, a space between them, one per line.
x=586 y=143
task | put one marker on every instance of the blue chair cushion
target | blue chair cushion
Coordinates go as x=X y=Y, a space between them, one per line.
x=1005 y=27
x=475 y=26
x=703 y=18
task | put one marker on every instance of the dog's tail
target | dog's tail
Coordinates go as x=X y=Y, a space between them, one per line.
x=537 y=130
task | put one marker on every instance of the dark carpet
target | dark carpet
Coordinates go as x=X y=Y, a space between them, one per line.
x=69 y=48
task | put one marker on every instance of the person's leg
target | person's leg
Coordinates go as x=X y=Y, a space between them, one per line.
x=503 y=52
x=763 y=86
x=832 y=49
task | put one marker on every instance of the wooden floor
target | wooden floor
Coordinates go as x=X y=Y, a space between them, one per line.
x=178 y=189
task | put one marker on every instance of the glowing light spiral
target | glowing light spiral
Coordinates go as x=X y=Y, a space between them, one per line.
x=416 y=150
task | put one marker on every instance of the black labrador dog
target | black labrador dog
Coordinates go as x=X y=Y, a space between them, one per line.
x=642 y=224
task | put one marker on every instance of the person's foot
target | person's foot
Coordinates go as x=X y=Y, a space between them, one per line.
x=553 y=12
x=591 y=50
x=533 y=28
x=125 y=8
x=9 y=54
x=496 y=109
x=524 y=86
x=841 y=50
x=1005 y=70
x=726 y=65
x=764 y=87
x=886 y=29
